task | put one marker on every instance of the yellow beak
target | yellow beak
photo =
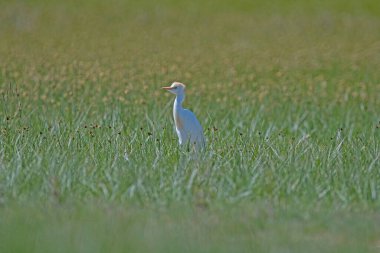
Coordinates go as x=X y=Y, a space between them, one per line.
x=167 y=88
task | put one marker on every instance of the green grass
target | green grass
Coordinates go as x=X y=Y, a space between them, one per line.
x=288 y=94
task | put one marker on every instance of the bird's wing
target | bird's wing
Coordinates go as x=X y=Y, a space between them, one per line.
x=192 y=126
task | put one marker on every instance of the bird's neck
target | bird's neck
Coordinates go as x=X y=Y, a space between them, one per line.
x=178 y=101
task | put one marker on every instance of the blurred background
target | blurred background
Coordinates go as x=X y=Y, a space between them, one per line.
x=116 y=51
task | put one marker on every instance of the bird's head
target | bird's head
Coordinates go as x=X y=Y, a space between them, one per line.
x=176 y=88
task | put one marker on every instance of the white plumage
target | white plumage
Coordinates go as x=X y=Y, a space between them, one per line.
x=188 y=128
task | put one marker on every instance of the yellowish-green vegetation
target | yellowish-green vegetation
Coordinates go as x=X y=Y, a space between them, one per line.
x=288 y=93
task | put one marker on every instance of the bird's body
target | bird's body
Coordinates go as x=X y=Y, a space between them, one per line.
x=188 y=128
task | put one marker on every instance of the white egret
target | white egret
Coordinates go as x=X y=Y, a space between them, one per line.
x=188 y=128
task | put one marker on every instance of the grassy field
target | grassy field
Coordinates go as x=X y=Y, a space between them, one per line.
x=288 y=93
